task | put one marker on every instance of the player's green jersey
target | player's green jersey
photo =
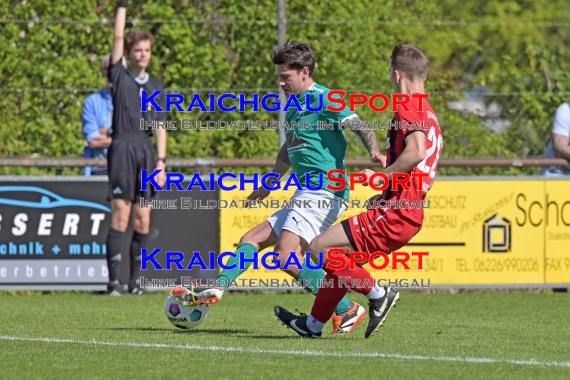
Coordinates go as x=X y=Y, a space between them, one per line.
x=315 y=142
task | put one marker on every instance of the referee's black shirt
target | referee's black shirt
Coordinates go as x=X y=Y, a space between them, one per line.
x=127 y=104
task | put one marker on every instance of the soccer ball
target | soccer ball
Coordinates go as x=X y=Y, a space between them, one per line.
x=182 y=315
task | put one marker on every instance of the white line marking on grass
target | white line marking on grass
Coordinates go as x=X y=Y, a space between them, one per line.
x=244 y=350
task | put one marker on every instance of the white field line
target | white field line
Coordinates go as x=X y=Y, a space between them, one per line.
x=244 y=350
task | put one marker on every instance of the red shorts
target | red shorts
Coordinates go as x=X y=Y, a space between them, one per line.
x=383 y=230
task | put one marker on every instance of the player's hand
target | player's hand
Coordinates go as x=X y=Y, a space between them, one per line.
x=368 y=173
x=378 y=180
x=378 y=158
x=161 y=176
x=123 y=3
x=257 y=195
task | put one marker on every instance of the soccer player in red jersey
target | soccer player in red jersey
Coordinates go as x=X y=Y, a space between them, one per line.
x=381 y=229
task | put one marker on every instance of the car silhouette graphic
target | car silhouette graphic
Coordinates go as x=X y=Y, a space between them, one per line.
x=46 y=199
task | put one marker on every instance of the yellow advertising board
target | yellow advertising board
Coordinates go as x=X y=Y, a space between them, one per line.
x=478 y=232
x=552 y=212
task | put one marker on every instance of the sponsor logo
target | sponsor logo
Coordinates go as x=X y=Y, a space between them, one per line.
x=497 y=235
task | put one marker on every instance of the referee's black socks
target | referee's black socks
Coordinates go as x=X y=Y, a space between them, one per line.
x=114 y=257
x=139 y=241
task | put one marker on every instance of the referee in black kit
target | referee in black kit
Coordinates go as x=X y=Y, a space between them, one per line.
x=131 y=150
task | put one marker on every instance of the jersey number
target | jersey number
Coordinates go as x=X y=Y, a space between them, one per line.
x=436 y=146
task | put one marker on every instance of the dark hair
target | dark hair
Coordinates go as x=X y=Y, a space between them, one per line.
x=410 y=60
x=135 y=37
x=295 y=55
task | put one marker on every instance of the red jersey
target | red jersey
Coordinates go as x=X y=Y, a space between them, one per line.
x=389 y=229
x=414 y=121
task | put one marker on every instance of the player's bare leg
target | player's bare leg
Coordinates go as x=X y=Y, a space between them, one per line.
x=120 y=214
x=141 y=218
x=287 y=244
x=334 y=237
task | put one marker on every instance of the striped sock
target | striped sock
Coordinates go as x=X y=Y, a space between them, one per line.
x=377 y=292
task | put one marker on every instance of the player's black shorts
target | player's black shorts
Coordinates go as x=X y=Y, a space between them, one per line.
x=346 y=227
x=125 y=160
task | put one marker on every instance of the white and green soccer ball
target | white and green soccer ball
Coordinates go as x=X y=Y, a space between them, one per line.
x=183 y=314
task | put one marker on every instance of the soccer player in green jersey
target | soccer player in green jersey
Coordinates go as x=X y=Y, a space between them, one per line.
x=308 y=149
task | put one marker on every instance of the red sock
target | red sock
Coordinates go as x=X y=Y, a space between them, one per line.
x=327 y=299
x=357 y=279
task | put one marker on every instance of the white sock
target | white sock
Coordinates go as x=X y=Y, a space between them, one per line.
x=314 y=325
x=377 y=292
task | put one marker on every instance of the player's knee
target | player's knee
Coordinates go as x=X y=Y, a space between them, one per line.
x=284 y=256
x=285 y=249
x=251 y=237
x=317 y=245
x=246 y=239
x=280 y=254
x=120 y=222
x=141 y=225
x=284 y=245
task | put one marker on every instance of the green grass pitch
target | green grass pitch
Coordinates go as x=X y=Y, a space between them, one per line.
x=428 y=336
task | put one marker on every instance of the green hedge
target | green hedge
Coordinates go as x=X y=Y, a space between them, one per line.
x=507 y=47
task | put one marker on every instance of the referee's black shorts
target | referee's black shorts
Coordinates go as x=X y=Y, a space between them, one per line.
x=125 y=160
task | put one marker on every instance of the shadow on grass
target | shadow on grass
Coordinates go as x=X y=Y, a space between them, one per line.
x=210 y=331
x=229 y=332
x=142 y=329
x=279 y=337
x=178 y=331
x=234 y=333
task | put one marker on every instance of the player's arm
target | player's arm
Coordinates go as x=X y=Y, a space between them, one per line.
x=119 y=32
x=160 y=137
x=350 y=120
x=282 y=163
x=414 y=152
x=561 y=132
x=281 y=166
x=103 y=140
x=561 y=146
x=368 y=138
x=95 y=137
